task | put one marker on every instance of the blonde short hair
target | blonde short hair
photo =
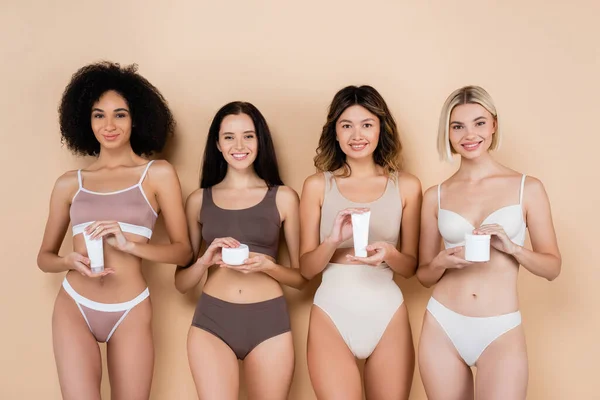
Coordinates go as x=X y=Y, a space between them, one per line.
x=464 y=95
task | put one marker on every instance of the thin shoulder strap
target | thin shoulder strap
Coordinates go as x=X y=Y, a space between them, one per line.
x=439 y=193
x=522 y=187
x=145 y=171
x=393 y=179
x=79 y=179
x=327 y=176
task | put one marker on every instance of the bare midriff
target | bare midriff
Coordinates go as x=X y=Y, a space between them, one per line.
x=236 y=287
x=123 y=285
x=482 y=289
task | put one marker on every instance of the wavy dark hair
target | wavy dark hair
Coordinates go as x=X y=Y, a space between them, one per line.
x=330 y=156
x=152 y=121
x=214 y=167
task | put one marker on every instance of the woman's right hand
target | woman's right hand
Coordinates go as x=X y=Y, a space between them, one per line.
x=452 y=258
x=212 y=255
x=81 y=264
x=342 y=225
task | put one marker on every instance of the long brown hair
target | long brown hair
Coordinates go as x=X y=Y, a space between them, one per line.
x=330 y=156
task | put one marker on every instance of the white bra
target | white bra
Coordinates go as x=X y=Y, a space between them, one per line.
x=453 y=226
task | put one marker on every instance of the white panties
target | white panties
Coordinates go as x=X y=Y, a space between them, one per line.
x=472 y=335
x=360 y=300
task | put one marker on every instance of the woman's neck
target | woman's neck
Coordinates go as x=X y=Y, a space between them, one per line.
x=112 y=158
x=241 y=179
x=363 y=168
x=478 y=168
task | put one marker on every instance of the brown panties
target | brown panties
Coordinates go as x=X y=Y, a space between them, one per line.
x=242 y=326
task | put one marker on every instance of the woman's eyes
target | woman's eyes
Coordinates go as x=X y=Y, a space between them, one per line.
x=348 y=126
x=457 y=127
x=119 y=115
x=230 y=137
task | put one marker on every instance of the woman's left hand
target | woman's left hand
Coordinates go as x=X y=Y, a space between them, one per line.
x=111 y=232
x=256 y=263
x=499 y=239
x=381 y=249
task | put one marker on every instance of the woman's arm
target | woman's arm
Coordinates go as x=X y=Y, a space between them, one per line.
x=545 y=260
x=57 y=224
x=288 y=202
x=163 y=178
x=313 y=256
x=403 y=260
x=188 y=276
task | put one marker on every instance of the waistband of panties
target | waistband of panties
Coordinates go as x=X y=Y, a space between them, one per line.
x=107 y=307
x=435 y=306
x=261 y=304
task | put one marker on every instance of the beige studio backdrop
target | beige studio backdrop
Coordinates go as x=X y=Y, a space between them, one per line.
x=538 y=59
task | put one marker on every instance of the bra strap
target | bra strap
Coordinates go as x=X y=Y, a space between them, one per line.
x=439 y=191
x=522 y=187
x=79 y=178
x=145 y=171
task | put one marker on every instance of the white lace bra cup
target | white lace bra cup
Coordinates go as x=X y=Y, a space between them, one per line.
x=453 y=226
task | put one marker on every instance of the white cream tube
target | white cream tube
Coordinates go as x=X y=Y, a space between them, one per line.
x=95 y=250
x=360 y=232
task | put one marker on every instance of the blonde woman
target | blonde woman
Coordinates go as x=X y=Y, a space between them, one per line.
x=473 y=317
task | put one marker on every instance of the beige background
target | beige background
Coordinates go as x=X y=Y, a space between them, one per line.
x=538 y=59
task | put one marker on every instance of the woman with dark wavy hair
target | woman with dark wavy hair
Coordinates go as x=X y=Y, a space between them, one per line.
x=118 y=117
x=358 y=310
x=241 y=314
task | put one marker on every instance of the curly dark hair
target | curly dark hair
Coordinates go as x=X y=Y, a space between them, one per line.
x=214 y=167
x=152 y=121
x=330 y=156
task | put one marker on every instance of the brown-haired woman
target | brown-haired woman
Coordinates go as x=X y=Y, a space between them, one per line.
x=242 y=313
x=358 y=310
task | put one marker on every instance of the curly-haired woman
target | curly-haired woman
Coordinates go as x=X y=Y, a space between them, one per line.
x=115 y=115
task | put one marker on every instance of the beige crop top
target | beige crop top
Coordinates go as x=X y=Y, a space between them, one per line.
x=386 y=212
